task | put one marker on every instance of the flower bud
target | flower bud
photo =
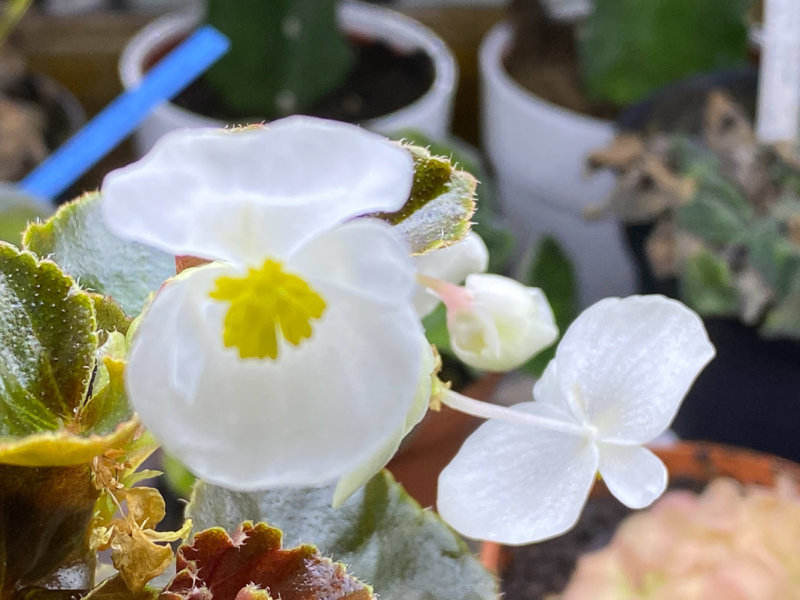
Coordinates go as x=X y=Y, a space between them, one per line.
x=451 y=264
x=502 y=325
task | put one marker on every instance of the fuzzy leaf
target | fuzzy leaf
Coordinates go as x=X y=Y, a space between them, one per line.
x=77 y=238
x=47 y=343
x=404 y=552
x=499 y=240
x=47 y=356
x=441 y=204
x=707 y=286
x=251 y=564
x=110 y=316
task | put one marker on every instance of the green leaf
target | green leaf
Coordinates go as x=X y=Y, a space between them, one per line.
x=251 y=565
x=77 y=238
x=707 y=286
x=718 y=212
x=552 y=271
x=44 y=519
x=48 y=348
x=16 y=211
x=108 y=406
x=110 y=316
x=783 y=321
x=114 y=588
x=630 y=48
x=440 y=206
x=435 y=324
x=179 y=478
x=774 y=256
x=47 y=343
x=404 y=552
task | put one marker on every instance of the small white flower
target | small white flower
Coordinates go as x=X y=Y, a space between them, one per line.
x=618 y=378
x=451 y=264
x=499 y=323
x=294 y=357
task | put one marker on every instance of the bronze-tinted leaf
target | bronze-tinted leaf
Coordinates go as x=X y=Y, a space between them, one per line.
x=250 y=564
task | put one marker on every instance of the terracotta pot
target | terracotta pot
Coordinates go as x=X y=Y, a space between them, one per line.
x=429 y=114
x=435 y=442
x=687 y=462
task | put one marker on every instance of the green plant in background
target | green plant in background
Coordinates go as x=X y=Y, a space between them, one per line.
x=630 y=48
x=285 y=55
x=617 y=52
x=725 y=215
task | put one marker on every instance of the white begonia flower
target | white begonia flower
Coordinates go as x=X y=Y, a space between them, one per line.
x=352 y=481
x=451 y=264
x=495 y=323
x=616 y=382
x=292 y=358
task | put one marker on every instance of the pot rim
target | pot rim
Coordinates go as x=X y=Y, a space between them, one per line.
x=354 y=15
x=494 y=46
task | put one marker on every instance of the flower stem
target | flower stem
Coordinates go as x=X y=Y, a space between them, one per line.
x=486 y=410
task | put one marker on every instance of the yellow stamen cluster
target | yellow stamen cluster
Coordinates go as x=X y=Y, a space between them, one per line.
x=263 y=303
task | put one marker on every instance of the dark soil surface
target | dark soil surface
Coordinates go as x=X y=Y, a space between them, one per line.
x=538 y=570
x=382 y=81
x=543 y=59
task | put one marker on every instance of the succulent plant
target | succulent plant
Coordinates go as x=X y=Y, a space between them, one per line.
x=285 y=54
x=725 y=212
x=728 y=542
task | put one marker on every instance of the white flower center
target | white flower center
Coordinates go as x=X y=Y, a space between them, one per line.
x=264 y=304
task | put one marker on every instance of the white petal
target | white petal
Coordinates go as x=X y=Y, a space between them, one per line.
x=629 y=362
x=244 y=194
x=633 y=474
x=451 y=264
x=366 y=257
x=516 y=483
x=350 y=482
x=505 y=324
x=550 y=402
x=310 y=416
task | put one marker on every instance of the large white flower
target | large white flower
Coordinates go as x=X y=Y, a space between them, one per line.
x=618 y=378
x=295 y=355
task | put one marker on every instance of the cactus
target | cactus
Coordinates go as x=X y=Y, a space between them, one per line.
x=285 y=55
x=726 y=212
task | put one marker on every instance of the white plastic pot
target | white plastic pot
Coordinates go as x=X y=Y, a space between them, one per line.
x=538 y=151
x=430 y=114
